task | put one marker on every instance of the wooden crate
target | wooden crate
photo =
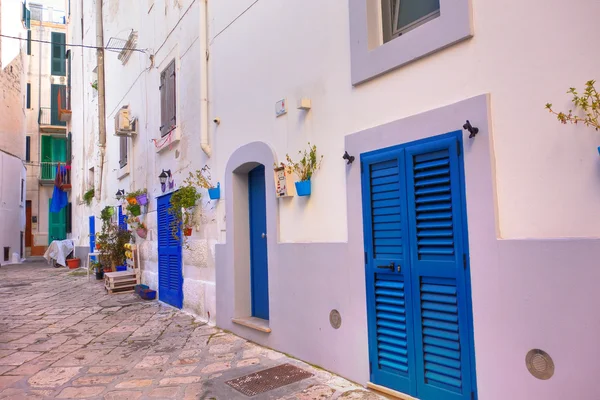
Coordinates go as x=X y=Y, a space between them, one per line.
x=125 y=281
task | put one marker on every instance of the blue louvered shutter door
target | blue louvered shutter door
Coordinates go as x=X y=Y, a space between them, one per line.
x=122 y=219
x=170 y=276
x=93 y=235
x=391 y=354
x=442 y=341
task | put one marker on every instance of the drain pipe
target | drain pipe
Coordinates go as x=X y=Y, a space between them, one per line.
x=101 y=92
x=204 y=54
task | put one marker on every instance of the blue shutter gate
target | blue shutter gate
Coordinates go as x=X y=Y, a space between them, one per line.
x=170 y=275
x=416 y=254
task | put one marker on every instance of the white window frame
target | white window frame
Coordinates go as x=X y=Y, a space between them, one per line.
x=371 y=57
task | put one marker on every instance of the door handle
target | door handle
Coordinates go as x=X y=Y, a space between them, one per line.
x=264 y=235
x=390 y=267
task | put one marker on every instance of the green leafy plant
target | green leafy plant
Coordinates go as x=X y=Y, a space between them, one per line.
x=106 y=214
x=200 y=178
x=136 y=193
x=89 y=196
x=112 y=242
x=133 y=209
x=308 y=164
x=95 y=265
x=588 y=102
x=182 y=203
x=95 y=84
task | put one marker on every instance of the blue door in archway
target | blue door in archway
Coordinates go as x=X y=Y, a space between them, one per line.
x=170 y=275
x=259 y=266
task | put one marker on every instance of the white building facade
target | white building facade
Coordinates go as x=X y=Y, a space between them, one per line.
x=165 y=36
x=447 y=260
x=12 y=133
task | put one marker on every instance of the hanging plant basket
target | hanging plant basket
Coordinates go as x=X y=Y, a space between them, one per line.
x=187 y=232
x=141 y=232
x=303 y=188
x=215 y=192
x=142 y=199
x=135 y=210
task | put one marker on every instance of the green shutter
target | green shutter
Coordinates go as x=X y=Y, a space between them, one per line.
x=46 y=148
x=59 y=150
x=29 y=42
x=58 y=62
x=57 y=224
x=27 y=19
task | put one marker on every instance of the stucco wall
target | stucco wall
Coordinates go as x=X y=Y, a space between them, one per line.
x=167 y=30
x=12 y=209
x=521 y=291
x=260 y=59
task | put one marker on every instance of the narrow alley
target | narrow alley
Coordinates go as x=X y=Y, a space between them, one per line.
x=64 y=337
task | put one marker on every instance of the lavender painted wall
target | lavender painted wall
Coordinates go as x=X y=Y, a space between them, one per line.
x=523 y=296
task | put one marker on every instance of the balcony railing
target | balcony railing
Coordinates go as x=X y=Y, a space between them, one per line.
x=48 y=174
x=48 y=117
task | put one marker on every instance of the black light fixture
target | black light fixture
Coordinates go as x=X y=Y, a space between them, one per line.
x=120 y=194
x=164 y=175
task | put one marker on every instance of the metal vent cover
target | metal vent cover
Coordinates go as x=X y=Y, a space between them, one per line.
x=539 y=364
x=335 y=319
x=268 y=379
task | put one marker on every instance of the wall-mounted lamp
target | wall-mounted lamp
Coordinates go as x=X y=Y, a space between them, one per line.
x=120 y=194
x=164 y=175
x=348 y=158
x=472 y=130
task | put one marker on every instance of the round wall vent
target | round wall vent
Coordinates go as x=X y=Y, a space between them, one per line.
x=335 y=319
x=540 y=364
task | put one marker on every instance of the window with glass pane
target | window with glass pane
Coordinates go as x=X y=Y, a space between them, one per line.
x=400 y=16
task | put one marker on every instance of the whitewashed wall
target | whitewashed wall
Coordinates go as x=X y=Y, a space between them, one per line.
x=167 y=30
x=301 y=48
x=12 y=209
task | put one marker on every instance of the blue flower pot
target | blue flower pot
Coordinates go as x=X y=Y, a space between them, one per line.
x=121 y=268
x=215 y=193
x=303 y=188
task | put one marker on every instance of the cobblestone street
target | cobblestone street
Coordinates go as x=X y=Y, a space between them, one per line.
x=62 y=337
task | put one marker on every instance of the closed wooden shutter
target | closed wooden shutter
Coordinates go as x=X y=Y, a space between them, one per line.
x=122 y=151
x=58 y=64
x=438 y=262
x=29 y=42
x=168 y=99
x=28 y=148
x=28 y=96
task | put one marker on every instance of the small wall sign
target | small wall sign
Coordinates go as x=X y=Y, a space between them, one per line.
x=280 y=108
x=283 y=183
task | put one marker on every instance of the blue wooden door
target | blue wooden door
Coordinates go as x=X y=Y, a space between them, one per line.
x=93 y=235
x=122 y=219
x=418 y=298
x=170 y=276
x=259 y=275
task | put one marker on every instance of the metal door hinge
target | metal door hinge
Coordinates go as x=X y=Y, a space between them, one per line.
x=472 y=395
x=361 y=168
x=365 y=258
x=458 y=148
x=370 y=368
x=464 y=261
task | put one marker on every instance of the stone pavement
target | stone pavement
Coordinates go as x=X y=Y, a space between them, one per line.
x=62 y=337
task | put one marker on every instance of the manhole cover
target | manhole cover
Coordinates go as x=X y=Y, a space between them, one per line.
x=268 y=379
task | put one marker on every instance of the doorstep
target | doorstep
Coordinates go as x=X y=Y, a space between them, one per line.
x=389 y=392
x=258 y=324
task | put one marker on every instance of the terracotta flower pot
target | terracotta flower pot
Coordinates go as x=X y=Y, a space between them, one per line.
x=97 y=246
x=73 y=263
x=187 y=231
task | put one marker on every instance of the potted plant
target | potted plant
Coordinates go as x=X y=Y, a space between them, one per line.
x=107 y=213
x=308 y=164
x=202 y=178
x=140 y=196
x=88 y=196
x=73 y=263
x=96 y=266
x=134 y=209
x=140 y=227
x=113 y=240
x=183 y=203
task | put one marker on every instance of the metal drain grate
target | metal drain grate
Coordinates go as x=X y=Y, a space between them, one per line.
x=268 y=379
